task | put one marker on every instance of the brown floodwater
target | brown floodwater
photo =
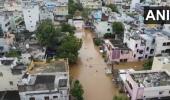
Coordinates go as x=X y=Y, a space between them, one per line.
x=90 y=70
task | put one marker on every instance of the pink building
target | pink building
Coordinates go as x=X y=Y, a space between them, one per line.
x=117 y=51
x=148 y=85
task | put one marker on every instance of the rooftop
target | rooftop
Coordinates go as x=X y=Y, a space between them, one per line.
x=119 y=44
x=44 y=67
x=151 y=79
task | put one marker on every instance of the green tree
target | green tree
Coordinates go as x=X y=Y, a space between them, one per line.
x=113 y=7
x=77 y=90
x=118 y=28
x=73 y=6
x=47 y=34
x=69 y=48
x=120 y=97
x=67 y=28
x=13 y=53
x=148 y=64
x=85 y=13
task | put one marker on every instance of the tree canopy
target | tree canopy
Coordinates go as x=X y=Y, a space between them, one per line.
x=47 y=34
x=118 y=27
x=148 y=65
x=113 y=7
x=77 y=90
x=73 y=6
x=67 y=28
x=56 y=41
x=69 y=48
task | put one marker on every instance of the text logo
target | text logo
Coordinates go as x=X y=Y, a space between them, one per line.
x=157 y=15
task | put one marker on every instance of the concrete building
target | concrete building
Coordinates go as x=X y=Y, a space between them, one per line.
x=102 y=28
x=148 y=85
x=31 y=14
x=161 y=63
x=5 y=22
x=97 y=4
x=45 y=81
x=11 y=71
x=133 y=4
x=116 y=51
x=142 y=45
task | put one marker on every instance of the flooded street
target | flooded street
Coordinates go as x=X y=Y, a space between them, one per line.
x=90 y=70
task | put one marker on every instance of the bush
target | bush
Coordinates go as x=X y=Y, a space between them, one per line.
x=148 y=65
x=97 y=41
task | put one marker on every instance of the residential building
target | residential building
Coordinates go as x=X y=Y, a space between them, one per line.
x=4 y=46
x=5 y=21
x=148 y=85
x=45 y=81
x=45 y=13
x=17 y=22
x=31 y=12
x=133 y=4
x=11 y=71
x=61 y=10
x=116 y=51
x=79 y=24
x=97 y=4
x=102 y=28
x=161 y=63
x=142 y=44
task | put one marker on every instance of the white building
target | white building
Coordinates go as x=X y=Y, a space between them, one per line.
x=161 y=63
x=45 y=81
x=142 y=45
x=78 y=23
x=5 y=22
x=92 y=4
x=147 y=85
x=10 y=74
x=102 y=27
x=133 y=4
x=31 y=14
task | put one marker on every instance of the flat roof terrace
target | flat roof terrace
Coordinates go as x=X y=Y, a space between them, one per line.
x=60 y=65
x=151 y=79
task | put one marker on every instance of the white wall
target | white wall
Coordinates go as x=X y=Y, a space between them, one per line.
x=31 y=17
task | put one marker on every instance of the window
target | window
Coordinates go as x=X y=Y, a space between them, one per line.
x=130 y=85
x=160 y=92
x=147 y=48
x=55 y=97
x=28 y=10
x=32 y=98
x=134 y=56
x=164 y=44
x=141 y=51
x=168 y=43
x=46 y=98
x=146 y=56
x=151 y=51
x=136 y=45
x=10 y=82
x=29 y=16
x=1 y=74
x=137 y=50
x=30 y=21
x=108 y=29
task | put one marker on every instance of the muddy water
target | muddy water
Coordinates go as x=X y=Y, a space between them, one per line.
x=90 y=71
